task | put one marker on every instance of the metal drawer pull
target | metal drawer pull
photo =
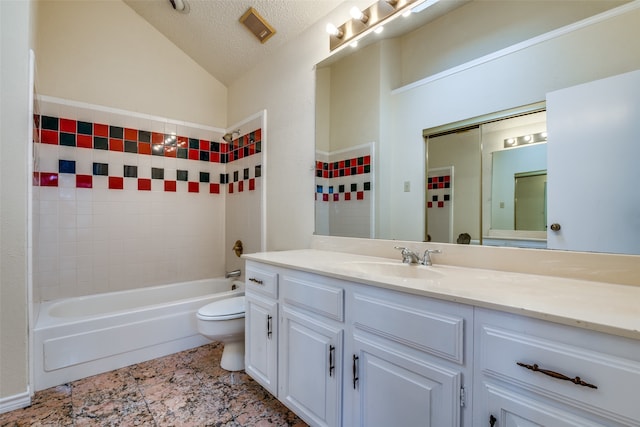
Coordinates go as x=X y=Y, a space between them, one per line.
x=332 y=365
x=254 y=280
x=355 y=371
x=269 y=326
x=492 y=420
x=557 y=375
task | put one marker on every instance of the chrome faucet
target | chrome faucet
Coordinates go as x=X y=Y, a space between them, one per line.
x=410 y=257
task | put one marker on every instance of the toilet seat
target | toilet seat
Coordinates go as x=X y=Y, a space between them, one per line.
x=224 y=309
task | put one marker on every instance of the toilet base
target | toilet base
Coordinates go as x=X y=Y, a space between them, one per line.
x=233 y=356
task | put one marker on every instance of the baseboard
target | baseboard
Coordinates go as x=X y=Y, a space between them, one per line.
x=17 y=401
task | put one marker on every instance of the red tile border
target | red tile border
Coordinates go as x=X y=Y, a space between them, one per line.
x=84 y=181
x=144 y=184
x=157 y=138
x=170 y=151
x=84 y=141
x=214 y=188
x=144 y=148
x=48 y=179
x=67 y=125
x=100 y=130
x=116 y=144
x=116 y=183
x=170 y=186
x=194 y=187
x=130 y=134
x=49 y=137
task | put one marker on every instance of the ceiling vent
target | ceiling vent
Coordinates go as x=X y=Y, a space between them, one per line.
x=257 y=25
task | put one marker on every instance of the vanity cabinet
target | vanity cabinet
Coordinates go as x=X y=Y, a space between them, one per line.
x=354 y=355
x=343 y=353
x=535 y=373
x=310 y=348
x=261 y=326
x=408 y=360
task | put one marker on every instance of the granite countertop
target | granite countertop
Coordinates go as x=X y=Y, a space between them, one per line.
x=604 y=307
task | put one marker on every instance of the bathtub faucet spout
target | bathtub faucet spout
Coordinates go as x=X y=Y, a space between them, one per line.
x=234 y=273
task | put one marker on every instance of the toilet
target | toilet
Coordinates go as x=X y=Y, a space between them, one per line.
x=223 y=321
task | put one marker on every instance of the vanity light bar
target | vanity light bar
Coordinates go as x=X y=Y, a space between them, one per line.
x=518 y=141
x=364 y=20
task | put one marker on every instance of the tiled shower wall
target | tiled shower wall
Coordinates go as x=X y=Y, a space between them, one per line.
x=123 y=202
x=344 y=192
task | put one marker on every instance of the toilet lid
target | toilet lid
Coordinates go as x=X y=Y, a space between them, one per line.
x=224 y=309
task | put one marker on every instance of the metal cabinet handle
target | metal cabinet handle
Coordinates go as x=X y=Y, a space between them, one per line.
x=332 y=366
x=555 y=227
x=355 y=371
x=492 y=420
x=254 y=280
x=557 y=375
x=269 y=317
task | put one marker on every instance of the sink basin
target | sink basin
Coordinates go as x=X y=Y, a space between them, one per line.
x=393 y=269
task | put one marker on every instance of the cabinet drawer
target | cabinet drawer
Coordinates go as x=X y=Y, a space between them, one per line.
x=562 y=363
x=429 y=326
x=262 y=280
x=308 y=293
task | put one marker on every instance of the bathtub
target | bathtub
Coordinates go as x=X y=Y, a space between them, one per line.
x=78 y=337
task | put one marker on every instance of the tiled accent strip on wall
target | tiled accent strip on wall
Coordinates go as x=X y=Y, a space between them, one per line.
x=438 y=190
x=339 y=169
x=96 y=136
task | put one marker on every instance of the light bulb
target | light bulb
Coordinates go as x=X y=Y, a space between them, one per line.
x=333 y=30
x=358 y=14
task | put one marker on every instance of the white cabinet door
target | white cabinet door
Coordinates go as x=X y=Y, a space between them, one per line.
x=593 y=171
x=261 y=341
x=388 y=388
x=310 y=368
x=508 y=408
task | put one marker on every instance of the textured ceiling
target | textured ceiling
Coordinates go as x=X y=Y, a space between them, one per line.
x=212 y=35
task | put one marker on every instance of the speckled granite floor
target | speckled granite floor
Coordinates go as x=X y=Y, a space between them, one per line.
x=183 y=389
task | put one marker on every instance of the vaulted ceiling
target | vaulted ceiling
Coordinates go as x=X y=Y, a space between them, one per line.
x=211 y=34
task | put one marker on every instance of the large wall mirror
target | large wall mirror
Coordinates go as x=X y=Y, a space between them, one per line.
x=400 y=119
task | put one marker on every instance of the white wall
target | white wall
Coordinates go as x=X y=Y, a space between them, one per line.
x=104 y=53
x=284 y=85
x=14 y=142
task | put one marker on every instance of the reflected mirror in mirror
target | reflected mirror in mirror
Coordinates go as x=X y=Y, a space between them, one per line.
x=453 y=187
x=514 y=158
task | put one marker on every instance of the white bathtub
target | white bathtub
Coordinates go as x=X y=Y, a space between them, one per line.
x=78 y=337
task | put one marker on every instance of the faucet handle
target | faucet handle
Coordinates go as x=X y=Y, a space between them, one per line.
x=426 y=258
x=408 y=256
